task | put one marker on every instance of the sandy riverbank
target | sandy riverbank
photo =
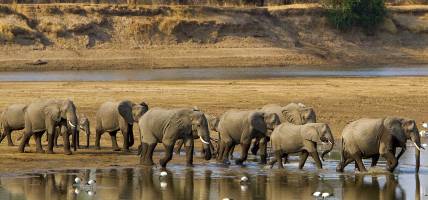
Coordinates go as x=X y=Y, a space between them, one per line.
x=336 y=101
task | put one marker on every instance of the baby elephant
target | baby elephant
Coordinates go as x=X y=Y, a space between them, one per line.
x=288 y=138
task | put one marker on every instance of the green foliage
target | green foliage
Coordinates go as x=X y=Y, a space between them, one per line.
x=345 y=14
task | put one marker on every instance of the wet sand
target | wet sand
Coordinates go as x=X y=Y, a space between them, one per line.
x=336 y=101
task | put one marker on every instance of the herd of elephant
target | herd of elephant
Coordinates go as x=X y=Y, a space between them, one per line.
x=291 y=129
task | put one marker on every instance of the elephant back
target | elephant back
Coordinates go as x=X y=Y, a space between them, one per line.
x=13 y=116
x=363 y=136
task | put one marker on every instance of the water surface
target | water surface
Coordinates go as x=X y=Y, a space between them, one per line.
x=212 y=73
x=215 y=181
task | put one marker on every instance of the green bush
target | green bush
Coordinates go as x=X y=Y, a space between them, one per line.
x=344 y=14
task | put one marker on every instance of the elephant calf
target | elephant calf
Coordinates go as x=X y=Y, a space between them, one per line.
x=240 y=127
x=165 y=126
x=84 y=125
x=371 y=138
x=290 y=138
x=11 y=119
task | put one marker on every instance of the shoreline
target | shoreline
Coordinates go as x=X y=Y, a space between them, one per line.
x=204 y=58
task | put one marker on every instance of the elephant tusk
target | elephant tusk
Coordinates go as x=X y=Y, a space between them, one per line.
x=416 y=146
x=203 y=141
x=73 y=126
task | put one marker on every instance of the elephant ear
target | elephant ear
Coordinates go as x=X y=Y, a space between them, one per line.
x=292 y=116
x=309 y=115
x=257 y=122
x=409 y=124
x=125 y=110
x=394 y=127
x=53 y=112
x=311 y=133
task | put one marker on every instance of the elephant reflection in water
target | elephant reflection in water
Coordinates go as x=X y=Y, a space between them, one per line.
x=294 y=186
x=40 y=187
x=360 y=188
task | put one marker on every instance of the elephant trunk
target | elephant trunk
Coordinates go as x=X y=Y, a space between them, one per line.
x=131 y=137
x=417 y=142
x=418 y=161
x=207 y=151
x=331 y=141
x=87 y=138
x=206 y=144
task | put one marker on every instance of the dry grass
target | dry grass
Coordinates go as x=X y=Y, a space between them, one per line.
x=336 y=101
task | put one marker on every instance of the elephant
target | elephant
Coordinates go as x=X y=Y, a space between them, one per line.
x=374 y=137
x=295 y=113
x=114 y=116
x=11 y=119
x=212 y=126
x=44 y=116
x=84 y=126
x=290 y=138
x=241 y=127
x=166 y=126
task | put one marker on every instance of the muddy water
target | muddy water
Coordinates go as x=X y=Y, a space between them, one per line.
x=212 y=73
x=215 y=181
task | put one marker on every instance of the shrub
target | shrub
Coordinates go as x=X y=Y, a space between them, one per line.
x=344 y=14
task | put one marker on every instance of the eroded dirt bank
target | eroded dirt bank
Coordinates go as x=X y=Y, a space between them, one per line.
x=79 y=36
x=337 y=101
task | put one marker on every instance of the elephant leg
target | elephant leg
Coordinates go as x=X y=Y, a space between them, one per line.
x=148 y=155
x=56 y=137
x=227 y=147
x=230 y=152
x=343 y=164
x=143 y=155
x=277 y=158
x=114 y=145
x=220 y=152
x=244 y=153
x=316 y=157
x=303 y=157
x=285 y=156
x=375 y=158
x=98 y=133
x=179 y=145
x=360 y=163
x=392 y=161
x=255 y=147
x=168 y=155
x=39 y=148
x=65 y=139
x=8 y=133
x=24 y=140
x=263 y=150
x=189 y=155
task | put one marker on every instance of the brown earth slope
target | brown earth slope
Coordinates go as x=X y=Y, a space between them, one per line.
x=84 y=36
